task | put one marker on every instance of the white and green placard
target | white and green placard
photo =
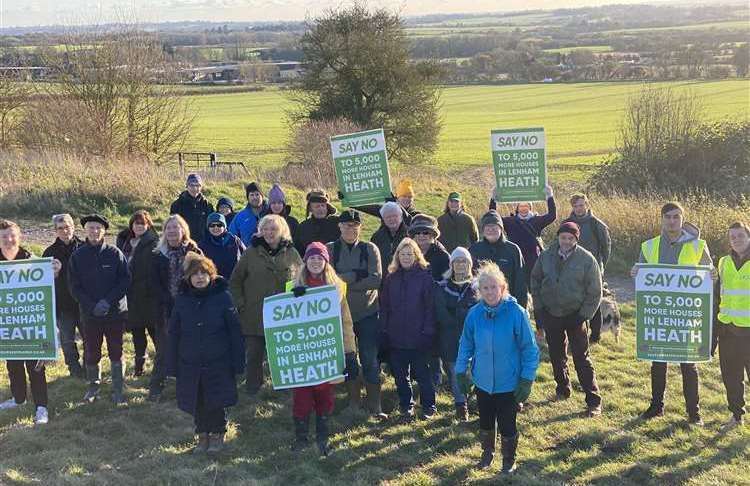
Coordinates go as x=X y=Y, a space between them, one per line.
x=674 y=312
x=520 y=163
x=304 y=338
x=27 y=310
x=361 y=165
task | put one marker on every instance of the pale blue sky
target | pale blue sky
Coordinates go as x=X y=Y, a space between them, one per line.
x=47 y=12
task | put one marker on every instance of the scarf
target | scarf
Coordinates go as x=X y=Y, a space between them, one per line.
x=176 y=258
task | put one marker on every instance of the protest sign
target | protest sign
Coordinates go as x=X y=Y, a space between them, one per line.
x=674 y=311
x=520 y=163
x=304 y=338
x=27 y=310
x=361 y=167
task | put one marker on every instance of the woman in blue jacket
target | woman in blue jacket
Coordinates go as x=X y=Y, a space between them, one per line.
x=206 y=350
x=221 y=246
x=498 y=342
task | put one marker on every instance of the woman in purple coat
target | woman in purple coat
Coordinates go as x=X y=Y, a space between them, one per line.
x=408 y=320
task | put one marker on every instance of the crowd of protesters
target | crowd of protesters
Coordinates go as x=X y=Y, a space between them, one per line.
x=432 y=299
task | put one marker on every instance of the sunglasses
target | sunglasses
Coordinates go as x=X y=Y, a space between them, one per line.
x=215 y=225
x=428 y=233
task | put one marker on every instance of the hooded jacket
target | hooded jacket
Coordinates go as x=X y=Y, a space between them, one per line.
x=194 y=210
x=594 y=237
x=205 y=347
x=64 y=301
x=260 y=273
x=669 y=251
x=508 y=257
x=225 y=251
x=499 y=345
x=245 y=223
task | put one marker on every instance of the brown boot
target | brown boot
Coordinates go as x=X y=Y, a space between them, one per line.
x=487 y=439
x=462 y=412
x=374 y=405
x=202 y=445
x=215 y=443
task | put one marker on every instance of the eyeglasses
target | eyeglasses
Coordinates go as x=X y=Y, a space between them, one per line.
x=215 y=225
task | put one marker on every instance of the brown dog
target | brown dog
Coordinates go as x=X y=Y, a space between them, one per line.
x=610 y=313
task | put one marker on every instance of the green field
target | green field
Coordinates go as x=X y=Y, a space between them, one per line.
x=581 y=120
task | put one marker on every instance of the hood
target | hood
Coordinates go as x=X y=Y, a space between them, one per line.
x=284 y=213
x=218 y=285
x=504 y=304
x=690 y=232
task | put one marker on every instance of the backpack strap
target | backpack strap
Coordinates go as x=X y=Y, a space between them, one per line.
x=364 y=256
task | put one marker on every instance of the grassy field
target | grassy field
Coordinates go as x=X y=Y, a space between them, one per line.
x=149 y=444
x=581 y=120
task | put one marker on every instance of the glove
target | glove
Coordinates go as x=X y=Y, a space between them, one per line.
x=340 y=195
x=299 y=291
x=464 y=383
x=523 y=390
x=361 y=274
x=101 y=308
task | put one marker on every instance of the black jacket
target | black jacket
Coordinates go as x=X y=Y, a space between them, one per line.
x=312 y=229
x=64 y=301
x=387 y=243
x=438 y=259
x=291 y=221
x=195 y=210
x=96 y=273
x=205 y=346
x=508 y=257
x=143 y=305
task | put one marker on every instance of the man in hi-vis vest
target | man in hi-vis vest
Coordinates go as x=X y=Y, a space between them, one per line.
x=678 y=244
x=732 y=323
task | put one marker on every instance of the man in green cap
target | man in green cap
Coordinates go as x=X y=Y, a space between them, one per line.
x=456 y=227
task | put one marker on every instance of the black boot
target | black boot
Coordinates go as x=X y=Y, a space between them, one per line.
x=321 y=434
x=654 y=410
x=462 y=412
x=76 y=370
x=487 y=439
x=301 y=427
x=508 y=447
x=95 y=380
x=139 y=364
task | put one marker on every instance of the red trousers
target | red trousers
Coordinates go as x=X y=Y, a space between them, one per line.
x=321 y=398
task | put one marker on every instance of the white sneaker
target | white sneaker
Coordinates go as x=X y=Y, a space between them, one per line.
x=41 y=417
x=8 y=404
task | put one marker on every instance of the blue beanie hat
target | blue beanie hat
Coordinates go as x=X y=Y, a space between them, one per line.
x=276 y=194
x=225 y=201
x=216 y=218
x=194 y=179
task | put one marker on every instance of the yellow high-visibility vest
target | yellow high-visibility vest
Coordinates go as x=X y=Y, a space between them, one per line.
x=690 y=253
x=735 y=293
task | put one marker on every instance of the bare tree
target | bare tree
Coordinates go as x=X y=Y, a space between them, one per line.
x=14 y=98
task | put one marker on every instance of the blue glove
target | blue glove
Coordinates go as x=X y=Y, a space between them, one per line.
x=299 y=291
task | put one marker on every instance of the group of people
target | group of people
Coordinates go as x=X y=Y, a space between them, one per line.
x=433 y=298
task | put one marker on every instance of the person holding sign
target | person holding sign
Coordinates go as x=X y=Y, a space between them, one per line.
x=678 y=244
x=317 y=272
x=733 y=320
x=99 y=280
x=596 y=239
x=407 y=315
x=497 y=343
x=205 y=350
x=404 y=198
x=566 y=287
x=68 y=318
x=11 y=250
x=524 y=227
x=358 y=264
x=263 y=270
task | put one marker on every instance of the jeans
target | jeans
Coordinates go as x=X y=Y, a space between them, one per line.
x=558 y=331
x=367 y=331
x=67 y=323
x=209 y=420
x=450 y=370
x=17 y=377
x=96 y=333
x=404 y=361
x=497 y=408
x=734 y=360
x=689 y=385
x=255 y=349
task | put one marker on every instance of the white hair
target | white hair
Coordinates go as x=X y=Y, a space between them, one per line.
x=390 y=207
x=63 y=218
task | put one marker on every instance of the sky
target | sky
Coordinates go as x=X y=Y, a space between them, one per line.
x=27 y=13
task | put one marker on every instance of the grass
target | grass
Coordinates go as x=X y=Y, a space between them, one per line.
x=581 y=120
x=149 y=444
